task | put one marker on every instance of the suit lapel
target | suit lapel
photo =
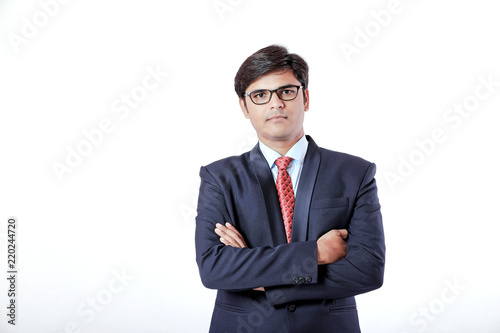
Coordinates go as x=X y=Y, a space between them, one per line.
x=270 y=196
x=304 y=192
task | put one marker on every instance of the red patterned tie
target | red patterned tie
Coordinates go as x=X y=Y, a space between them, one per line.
x=285 y=194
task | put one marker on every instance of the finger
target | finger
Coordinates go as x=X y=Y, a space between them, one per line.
x=227 y=242
x=235 y=235
x=239 y=237
x=224 y=241
x=222 y=230
x=225 y=238
x=230 y=239
x=343 y=233
x=231 y=234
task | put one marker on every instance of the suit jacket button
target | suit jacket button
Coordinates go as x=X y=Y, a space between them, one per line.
x=295 y=280
x=308 y=279
x=291 y=307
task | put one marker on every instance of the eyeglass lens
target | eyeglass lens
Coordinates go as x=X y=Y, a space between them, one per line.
x=264 y=96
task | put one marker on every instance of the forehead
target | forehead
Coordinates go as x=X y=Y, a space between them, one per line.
x=274 y=80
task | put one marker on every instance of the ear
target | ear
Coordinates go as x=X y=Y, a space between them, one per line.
x=306 y=100
x=244 y=108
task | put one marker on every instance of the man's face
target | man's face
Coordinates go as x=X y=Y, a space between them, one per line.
x=277 y=120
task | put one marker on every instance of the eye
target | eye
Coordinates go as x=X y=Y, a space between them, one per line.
x=260 y=94
x=288 y=93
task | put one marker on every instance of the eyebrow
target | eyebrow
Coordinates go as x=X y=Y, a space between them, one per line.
x=285 y=86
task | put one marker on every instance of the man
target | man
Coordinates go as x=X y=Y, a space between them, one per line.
x=288 y=232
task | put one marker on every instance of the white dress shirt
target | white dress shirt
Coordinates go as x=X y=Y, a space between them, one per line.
x=297 y=152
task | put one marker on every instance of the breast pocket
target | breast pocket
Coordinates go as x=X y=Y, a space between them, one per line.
x=327 y=214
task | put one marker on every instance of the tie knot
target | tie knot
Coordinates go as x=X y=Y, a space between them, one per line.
x=283 y=162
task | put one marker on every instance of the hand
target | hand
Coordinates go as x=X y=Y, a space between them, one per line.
x=332 y=246
x=229 y=235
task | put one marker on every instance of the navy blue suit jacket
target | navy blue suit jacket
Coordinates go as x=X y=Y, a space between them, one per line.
x=335 y=191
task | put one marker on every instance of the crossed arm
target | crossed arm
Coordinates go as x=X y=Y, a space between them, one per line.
x=331 y=246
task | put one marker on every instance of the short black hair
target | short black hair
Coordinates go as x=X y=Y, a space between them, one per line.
x=268 y=60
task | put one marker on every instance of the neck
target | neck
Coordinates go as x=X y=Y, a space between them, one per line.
x=282 y=146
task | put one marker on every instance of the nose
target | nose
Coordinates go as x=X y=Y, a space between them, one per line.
x=275 y=101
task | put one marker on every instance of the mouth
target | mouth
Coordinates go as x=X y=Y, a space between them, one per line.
x=277 y=118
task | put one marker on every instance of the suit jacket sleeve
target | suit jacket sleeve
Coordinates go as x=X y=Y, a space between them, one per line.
x=363 y=268
x=229 y=268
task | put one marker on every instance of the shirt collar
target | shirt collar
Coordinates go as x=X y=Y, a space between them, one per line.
x=297 y=152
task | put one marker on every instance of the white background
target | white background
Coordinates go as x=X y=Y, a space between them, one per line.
x=128 y=207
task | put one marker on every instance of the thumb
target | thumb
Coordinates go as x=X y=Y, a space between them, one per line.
x=343 y=233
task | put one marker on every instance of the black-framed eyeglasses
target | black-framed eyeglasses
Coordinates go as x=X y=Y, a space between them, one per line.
x=263 y=96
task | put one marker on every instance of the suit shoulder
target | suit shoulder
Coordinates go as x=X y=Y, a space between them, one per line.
x=226 y=162
x=345 y=162
x=343 y=157
x=225 y=168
